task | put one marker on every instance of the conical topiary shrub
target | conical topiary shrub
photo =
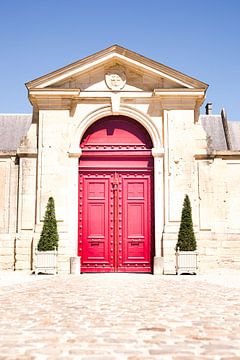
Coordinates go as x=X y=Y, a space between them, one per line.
x=186 y=237
x=49 y=235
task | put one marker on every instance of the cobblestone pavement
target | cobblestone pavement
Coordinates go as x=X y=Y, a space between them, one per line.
x=119 y=316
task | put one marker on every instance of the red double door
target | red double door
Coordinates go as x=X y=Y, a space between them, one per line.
x=116 y=197
x=115 y=221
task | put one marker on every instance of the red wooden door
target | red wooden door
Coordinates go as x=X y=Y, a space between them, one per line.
x=115 y=197
x=115 y=215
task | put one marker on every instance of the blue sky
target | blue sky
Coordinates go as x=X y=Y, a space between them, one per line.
x=198 y=38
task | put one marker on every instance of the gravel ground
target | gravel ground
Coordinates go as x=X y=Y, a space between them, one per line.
x=224 y=277
x=120 y=316
x=8 y=278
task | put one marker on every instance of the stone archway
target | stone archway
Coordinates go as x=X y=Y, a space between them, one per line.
x=158 y=155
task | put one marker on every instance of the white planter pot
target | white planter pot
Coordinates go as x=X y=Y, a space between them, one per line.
x=186 y=262
x=46 y=262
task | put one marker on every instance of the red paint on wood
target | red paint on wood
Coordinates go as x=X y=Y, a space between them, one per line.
x=116 y=131
x=115 y=198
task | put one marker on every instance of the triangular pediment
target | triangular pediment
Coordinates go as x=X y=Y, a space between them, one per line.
x=95 y=79
x=140 y=74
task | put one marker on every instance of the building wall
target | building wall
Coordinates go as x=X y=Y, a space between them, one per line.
x=211 y=182
x=57 y=172
x=180 y=178
x=219 y=228
x=212 y=185
x=8 y=210
x=46 y=164
x=57 y=177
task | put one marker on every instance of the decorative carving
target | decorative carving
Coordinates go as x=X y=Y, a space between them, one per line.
x=115 y=78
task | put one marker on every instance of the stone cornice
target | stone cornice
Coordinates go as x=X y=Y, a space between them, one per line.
x=58 y=98
x=225 y=154
x=7 y=154
x=27 y=152
x=179 y=92
x=158 y=152
x=19 y=153
x=53 y=98
x=75 y=152
x=77 y=93
x=171 y=99
x=54 y=92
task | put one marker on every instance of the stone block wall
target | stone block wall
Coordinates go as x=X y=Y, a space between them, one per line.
x=8 y=209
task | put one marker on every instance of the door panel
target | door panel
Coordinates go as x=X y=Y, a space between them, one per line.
x=135 y=220
x=136 y=227
x=96 y=218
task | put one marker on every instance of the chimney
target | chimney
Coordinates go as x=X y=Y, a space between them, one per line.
x=208 y=108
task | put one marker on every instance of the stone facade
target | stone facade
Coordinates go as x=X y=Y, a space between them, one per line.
x=194 y=155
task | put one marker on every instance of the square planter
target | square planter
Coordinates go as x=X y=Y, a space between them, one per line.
x=186 y=262
x=46 y=262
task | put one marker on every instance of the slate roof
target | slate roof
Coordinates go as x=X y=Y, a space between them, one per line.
x=234 y=132
x=12 y=129
x=213 y=126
